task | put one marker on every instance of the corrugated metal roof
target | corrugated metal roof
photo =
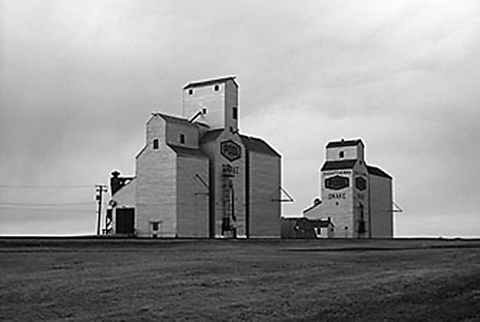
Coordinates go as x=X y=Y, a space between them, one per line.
x=338 y=165
x=258 y=145
x=343 y=143
x=211 y=135
x=187 y=151
x=210 y=82
x=252 y=144
x=175 y=119
x=377 y=172
x=349 y=164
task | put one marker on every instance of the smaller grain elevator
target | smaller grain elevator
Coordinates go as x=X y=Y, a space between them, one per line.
x=356 y=198
x=197 y=176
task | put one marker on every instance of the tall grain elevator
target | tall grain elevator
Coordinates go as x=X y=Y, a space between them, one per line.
x=356 y=198
x=197 y=176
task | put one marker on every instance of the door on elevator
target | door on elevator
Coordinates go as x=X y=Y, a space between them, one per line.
x=125 y=219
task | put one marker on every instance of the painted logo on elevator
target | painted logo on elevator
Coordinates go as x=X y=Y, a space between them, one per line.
x=337 y=182
x=230 y=150
x=360 y=183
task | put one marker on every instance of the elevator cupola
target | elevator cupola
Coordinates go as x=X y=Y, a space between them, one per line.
x=345 y=150
x=213 y=102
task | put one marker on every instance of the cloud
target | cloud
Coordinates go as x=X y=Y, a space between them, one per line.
x=79 y=80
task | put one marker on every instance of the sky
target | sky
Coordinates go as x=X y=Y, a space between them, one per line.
x=79 y=79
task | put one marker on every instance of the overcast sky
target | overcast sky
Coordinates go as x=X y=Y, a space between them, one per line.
x=79 y=79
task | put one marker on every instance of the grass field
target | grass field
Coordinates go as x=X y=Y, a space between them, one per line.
x=233 y=280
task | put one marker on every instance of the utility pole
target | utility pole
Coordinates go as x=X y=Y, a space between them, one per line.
x=100 y=189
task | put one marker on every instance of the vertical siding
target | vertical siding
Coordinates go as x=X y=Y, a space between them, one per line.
x=209 y=149
x=381 y=207
x=205 y=97
x=238 y=183
x=174 y=130
x=350 y=153
x=192 y=197
x=218 y=104
x=343 y=224
x=156 y=184
x=217 y=180
x=360 y=197
x=264 y=194
x=340 y=210
x=231 y=101
x=345 y=212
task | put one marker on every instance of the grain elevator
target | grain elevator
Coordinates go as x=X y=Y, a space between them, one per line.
x=197 y=176
x=356 y=198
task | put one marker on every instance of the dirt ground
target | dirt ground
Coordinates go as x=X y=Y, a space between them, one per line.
x=90 y=279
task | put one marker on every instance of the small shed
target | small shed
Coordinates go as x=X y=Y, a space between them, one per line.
x=304 y=228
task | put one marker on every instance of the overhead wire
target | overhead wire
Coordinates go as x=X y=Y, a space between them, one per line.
x=78 y=207
x=20 y=186
x=47 y=209
x=66 y=207
x=47 y=204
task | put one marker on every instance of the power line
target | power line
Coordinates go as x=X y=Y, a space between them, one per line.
x=47 y=209
x=46 y=204
x=4 y=186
